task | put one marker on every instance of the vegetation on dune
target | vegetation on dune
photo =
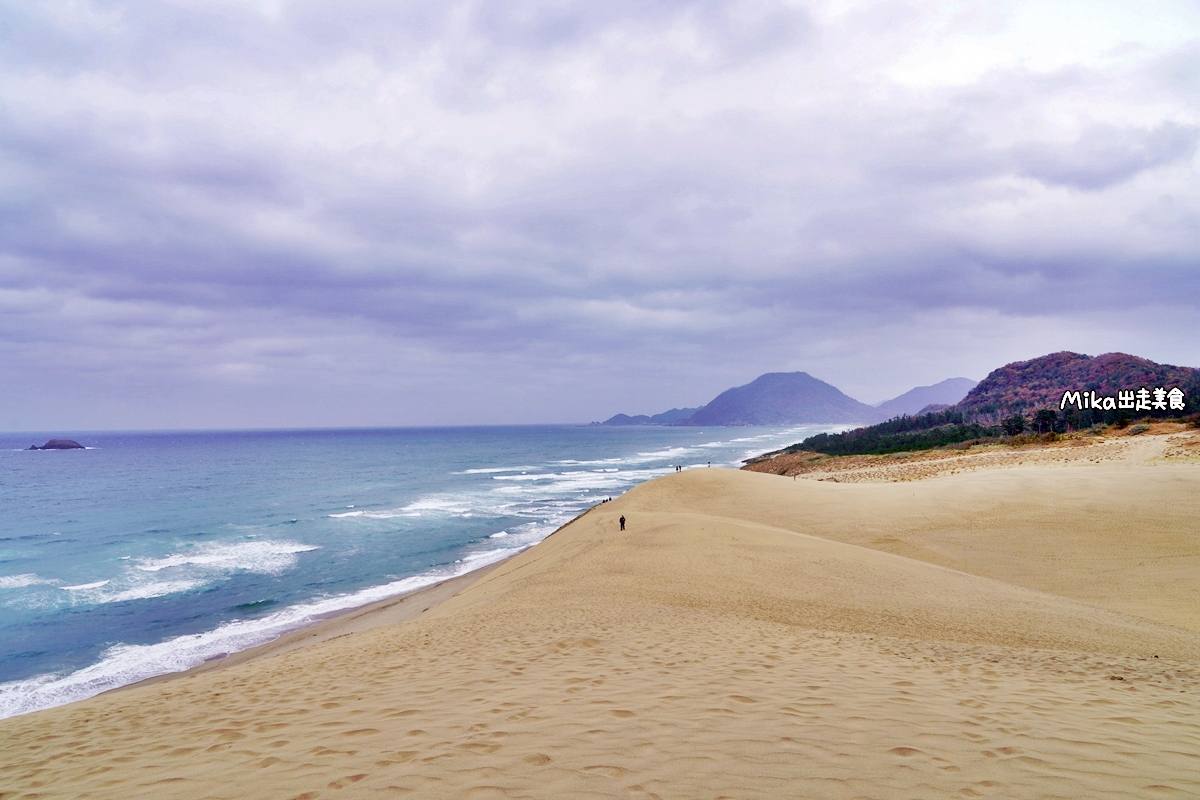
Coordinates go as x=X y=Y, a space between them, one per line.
x=953 y=428
x=922 y=432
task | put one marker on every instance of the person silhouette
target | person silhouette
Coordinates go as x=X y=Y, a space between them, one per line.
x=622 y=522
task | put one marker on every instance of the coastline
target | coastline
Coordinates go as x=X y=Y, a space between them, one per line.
x=389 y=611
x=211 y=576
x=1005 y=631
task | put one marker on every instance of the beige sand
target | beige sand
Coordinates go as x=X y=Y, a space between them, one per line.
x=987 y=633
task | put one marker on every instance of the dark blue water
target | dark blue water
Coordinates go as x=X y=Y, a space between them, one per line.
x=149 y=552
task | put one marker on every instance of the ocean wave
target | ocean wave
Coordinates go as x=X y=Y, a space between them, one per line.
x=21 y=581
x=489 y=470
x=465 y=504
x=555 y=484
x=124 y=664
x=481 y=504
x=455 y=504
x=119 y=590
x=270 y=557
x=115 y=590
x=146 y=591
x=392 y=514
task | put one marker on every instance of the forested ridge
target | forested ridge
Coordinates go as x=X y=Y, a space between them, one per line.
x=1021 y=398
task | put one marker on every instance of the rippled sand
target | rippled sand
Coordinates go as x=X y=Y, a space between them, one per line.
x=1021 y=632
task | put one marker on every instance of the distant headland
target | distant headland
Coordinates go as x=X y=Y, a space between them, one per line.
x=789 y=398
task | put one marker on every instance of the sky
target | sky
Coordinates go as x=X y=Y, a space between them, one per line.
x=376 y=212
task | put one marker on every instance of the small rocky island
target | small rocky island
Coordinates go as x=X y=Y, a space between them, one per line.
x=59 y=444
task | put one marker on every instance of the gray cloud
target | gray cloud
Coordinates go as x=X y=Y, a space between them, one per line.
x=1104 y=155
x=388 y=213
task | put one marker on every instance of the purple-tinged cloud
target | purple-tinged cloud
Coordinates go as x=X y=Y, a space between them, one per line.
x=387 y=213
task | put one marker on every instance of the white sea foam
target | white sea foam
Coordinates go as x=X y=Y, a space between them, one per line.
x=489 y=470
x=147 y=590
x=442 y=504
x=125 y=664
x=393 y=513
x=21 y=581
x=119 y=590
x=439 y=504
x=182 y=571
x=261 y=555
x=554 y=485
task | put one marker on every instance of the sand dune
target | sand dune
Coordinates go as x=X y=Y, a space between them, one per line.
x=1116 y=524
x=749 y=636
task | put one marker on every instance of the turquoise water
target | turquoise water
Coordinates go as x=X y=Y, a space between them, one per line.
x=148 y=553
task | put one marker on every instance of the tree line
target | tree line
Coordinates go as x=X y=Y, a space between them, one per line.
x=942 y=428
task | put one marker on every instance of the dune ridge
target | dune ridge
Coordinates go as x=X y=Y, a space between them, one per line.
x=969 y=635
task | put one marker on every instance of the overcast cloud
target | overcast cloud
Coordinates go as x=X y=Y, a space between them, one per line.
x=220 y=214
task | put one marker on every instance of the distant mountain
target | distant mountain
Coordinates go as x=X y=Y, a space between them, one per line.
x=1025 y=388
x=783 y=398
x=1022 y=387
x=914 y=401
x=672 y=416
x=665 y=418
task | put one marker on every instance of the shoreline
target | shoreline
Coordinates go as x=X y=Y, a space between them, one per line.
x=377 y=614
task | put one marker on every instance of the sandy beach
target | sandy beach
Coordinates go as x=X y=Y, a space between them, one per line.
x=1023 y=624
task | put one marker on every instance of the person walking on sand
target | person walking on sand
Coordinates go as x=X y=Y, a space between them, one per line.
x=622 y=522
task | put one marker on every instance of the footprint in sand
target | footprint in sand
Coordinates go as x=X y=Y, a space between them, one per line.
x=905 y=752
x=607 y=769
x=346 y=781
x=361 y=732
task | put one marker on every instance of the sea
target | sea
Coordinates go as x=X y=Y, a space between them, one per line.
x=152 y=552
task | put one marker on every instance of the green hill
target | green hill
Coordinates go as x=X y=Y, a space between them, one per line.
x=1023 y=387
